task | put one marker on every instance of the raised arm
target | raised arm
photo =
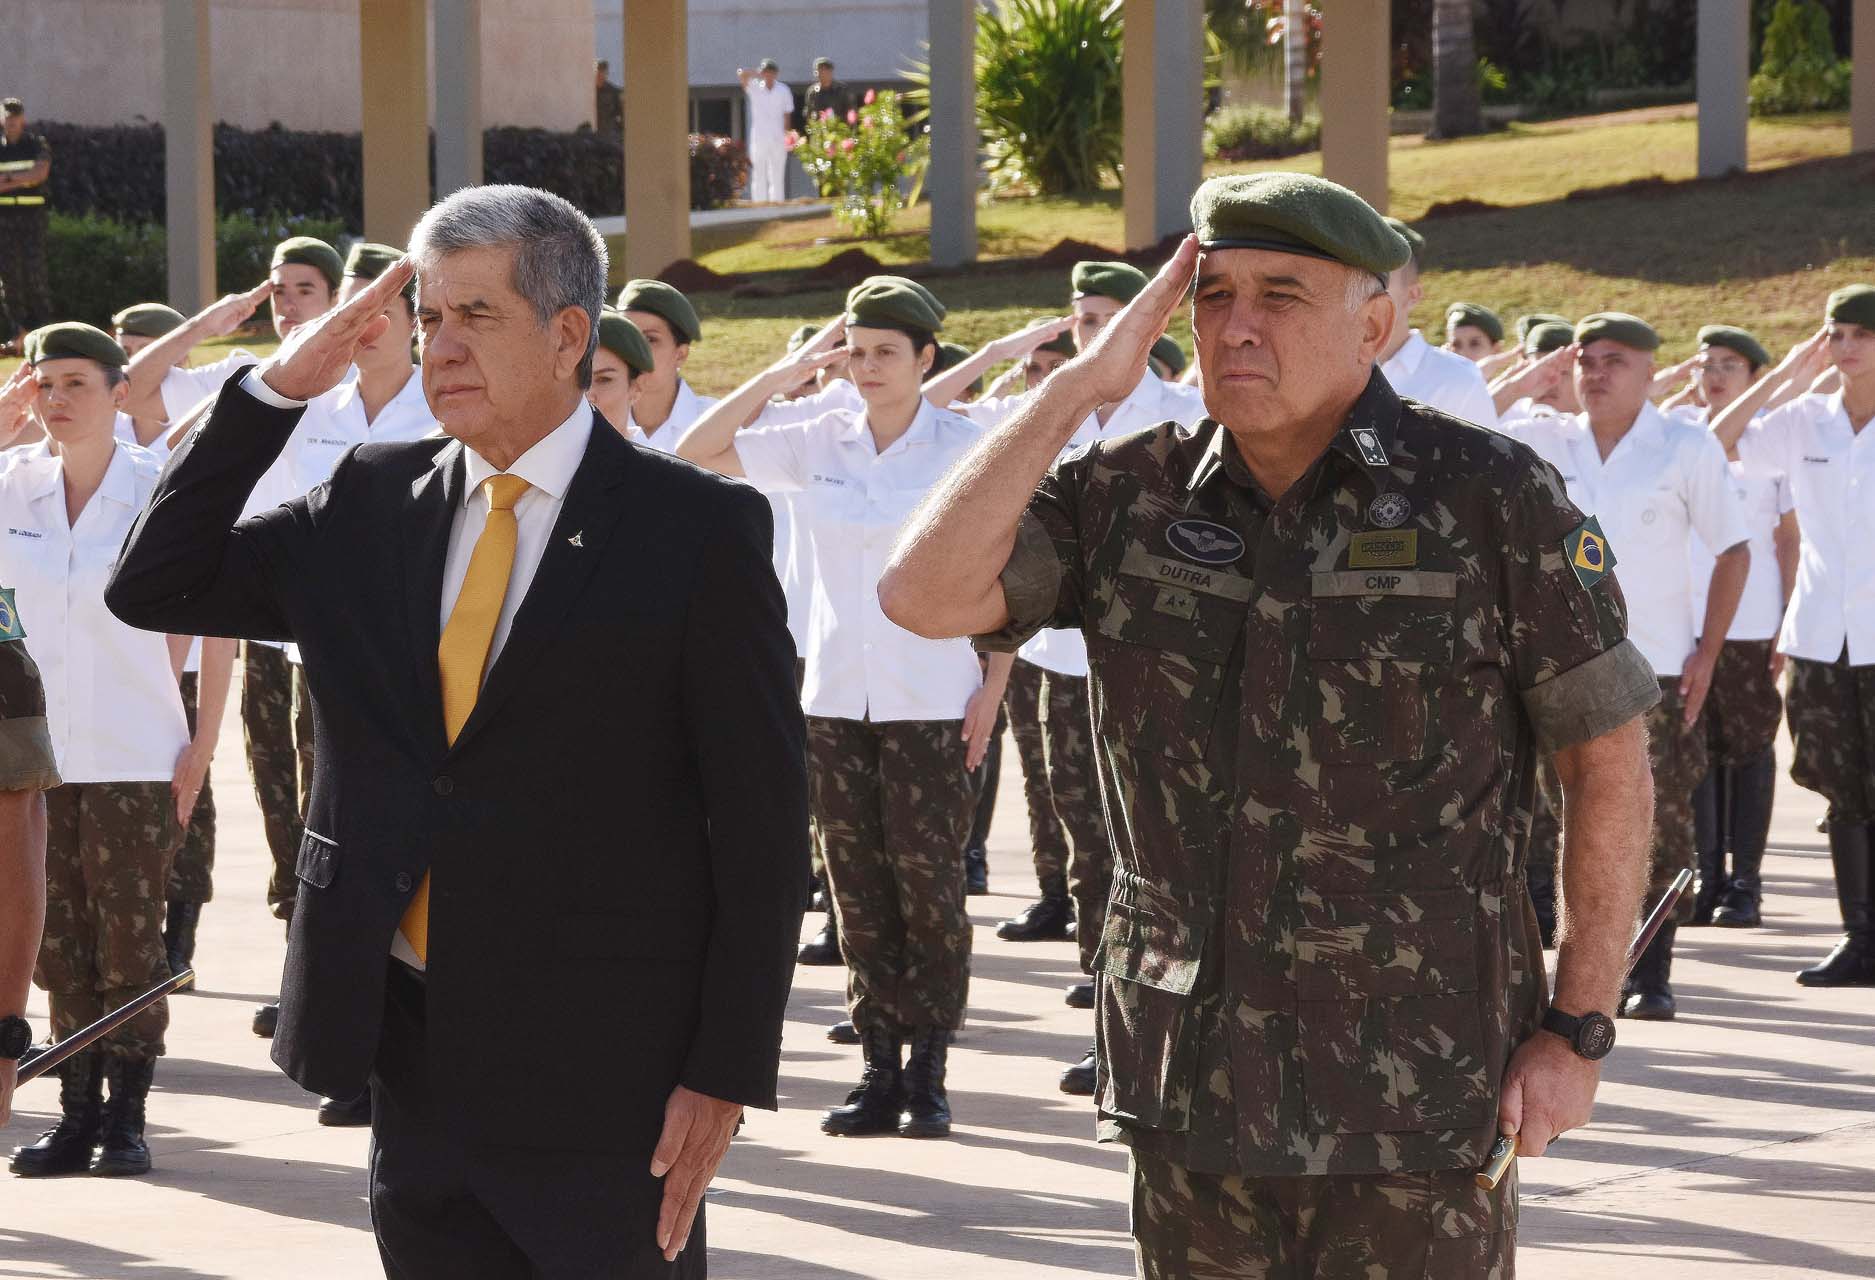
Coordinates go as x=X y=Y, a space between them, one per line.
x=944 y=389
x=1796 y=370
x=711 y=440
x=1533 y=378
x=149 y=366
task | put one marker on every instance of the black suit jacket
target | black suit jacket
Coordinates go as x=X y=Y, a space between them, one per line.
x=617 y=838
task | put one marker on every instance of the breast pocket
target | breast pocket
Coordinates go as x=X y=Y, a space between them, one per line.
x=1373 y=660
x=1164 y=669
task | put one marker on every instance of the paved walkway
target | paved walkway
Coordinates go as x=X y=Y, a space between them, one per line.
x=1739 y=1141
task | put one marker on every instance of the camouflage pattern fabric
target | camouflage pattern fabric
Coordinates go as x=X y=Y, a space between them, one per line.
x=272 y=761
x=1678 y=757
x=1743 y=709
x=893 y=803
x=191 y=872
x=302 y=737
x=1022 y=703
x=1832 y=730
x=1318 y=955
x=1400 y=1226
x=1074 y=791
x=108 y=847
x=26 y=759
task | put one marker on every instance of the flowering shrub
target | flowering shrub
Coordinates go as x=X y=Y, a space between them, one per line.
x=858 y=162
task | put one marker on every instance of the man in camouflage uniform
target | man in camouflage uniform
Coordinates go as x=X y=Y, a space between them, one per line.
x=1329 y=634
x=1048 y=917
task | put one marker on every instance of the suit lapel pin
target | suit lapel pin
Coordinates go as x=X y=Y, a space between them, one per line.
x=575 y=540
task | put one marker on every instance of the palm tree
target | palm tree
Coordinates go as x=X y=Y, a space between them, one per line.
x=1456 y=109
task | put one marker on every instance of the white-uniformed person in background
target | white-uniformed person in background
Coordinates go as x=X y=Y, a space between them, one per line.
x=770 y=109
x=666 y=406
x=136 y=327
x=1414 y=367
x=895 y=722
x=1542 y=382
x=620 y=365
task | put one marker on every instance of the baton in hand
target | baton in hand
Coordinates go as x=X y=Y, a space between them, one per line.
x=42 y=1058
x=1504 y=1150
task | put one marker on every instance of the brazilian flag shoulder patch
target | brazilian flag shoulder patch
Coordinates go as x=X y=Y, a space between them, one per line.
x=10 y=627
x=1588 y=552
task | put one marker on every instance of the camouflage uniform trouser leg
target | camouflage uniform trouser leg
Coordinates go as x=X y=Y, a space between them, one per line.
x=108 y=847
x=23 y=268
x=191 y=872
x=1397 y=1226
x=1832 y=729
x=1742 y=711
x=816 y=862
x=893 y=804
x=1074 y=789
x=302 y=737
x=1023 y=702
x=267 y=721
x=1678 y=757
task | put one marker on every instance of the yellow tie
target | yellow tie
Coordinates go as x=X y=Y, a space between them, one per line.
x=463 y=650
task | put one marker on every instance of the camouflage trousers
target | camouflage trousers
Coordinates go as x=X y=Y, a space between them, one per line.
x=1022 y=701
x=1396 y=1226
x=23 y=268
x=191 y=872
x=1832 y=729
x=1742 y=711
x=892 y=802
x=1677 y=755
x=276 y=719
x=108 y=846
x=1074 y=791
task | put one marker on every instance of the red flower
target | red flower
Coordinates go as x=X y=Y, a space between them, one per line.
x=847 y=144
x=852 y=117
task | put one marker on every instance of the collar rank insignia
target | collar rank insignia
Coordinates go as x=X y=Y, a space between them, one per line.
x=1389 y=510
x=1367 y=442
x=1588 y=552
x=576 y=540
x=10 y=626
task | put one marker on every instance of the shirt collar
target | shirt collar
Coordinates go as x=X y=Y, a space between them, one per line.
x=1412 y=353
x=923 y=427
x=1365 y=439
x=48 y=472
x=548 y=466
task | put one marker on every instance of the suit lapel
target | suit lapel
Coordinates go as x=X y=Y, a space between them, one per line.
x=428 y=518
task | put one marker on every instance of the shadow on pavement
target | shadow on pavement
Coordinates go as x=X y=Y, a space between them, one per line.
x=86 y=1259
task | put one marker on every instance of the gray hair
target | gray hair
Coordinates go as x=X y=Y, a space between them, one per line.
x=1362 y=285
x=559 y=256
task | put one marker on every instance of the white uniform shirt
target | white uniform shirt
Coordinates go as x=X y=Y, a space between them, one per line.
x=1763 y=492
x=1444 y=380
x=860 y=664
x=1832 y=478
x=1663 y=482
x=335 y=422
x=184 y=388
x=686 y=408
x=112 y=704
x=770 y=111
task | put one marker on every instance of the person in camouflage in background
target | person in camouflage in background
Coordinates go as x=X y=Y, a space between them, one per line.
x=1329 y=634
x=1049 y=917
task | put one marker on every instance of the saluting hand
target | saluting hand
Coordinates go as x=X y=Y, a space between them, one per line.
x=697 y=1130
x=1020 y=344
x=16 y=401
x=315 y=356
x=234 y=310
x=1110 y=368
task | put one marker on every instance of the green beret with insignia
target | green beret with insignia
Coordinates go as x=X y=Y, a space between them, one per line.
x=1117 y=280
x=310 y=251
x=1414 y=241
x=666 y=303
x=71 y=340
x=1526 y=323
x=883 y=302
x=1168 y=353
x=1477 y=317
x=800 y=336
x=1296 y=213
x=147 y=320
x=1853 y=304
x=625 y=340
x=1732 y=338
x=1552 y=335
x=1617 y=326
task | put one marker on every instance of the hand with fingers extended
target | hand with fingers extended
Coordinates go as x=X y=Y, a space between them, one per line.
x=233 y=310
x=1109 y=368
x=697 y=1130
x=1020 y=344
x=315 y=356
x=17 y=394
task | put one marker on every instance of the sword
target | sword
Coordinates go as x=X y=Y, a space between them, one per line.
x=1504 y=1150
x=42 y=1058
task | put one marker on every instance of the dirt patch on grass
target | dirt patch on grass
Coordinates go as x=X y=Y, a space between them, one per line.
x=687 y=275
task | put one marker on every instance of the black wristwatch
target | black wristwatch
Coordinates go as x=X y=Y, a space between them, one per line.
x=1591 y=1036
x=16 y=1037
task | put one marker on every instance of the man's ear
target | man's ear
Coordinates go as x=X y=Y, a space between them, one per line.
x=575 y=328
x=1377 y=315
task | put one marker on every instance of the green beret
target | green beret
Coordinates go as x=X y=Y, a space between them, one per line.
x=1296 y=213
x=1117 y=280
x=625 y=340
x=71 y=340
x=885 y=303
x=1168 y=353
x=1526 y=323
x=1853 y=304
x=1617 y=326
x=309 y=251
x=800 y=336
x=1414 y=241
x=1477 y=317
x=664 y=302
x=769 y=64
x=1733 y=338
x=147 y=320
x=1551 y=335
x=368 y=261
x=931 y=299
x=822 y=62
x=1062 y=343
x=949 y=356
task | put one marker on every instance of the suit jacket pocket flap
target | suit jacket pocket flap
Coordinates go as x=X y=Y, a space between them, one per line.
x=318 y=860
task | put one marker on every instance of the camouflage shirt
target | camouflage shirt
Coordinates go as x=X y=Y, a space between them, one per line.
x=1319 y=722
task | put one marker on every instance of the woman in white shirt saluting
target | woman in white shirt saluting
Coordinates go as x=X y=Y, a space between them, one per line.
x=895 y=722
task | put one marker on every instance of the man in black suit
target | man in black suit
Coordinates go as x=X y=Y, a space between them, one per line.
x=555 y=857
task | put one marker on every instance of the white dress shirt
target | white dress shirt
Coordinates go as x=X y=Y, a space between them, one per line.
x=1832 y=478
x=335 y=422
x=1443 y=380
x=770 y=110
x=860 y=664
x=184 y=388
x=1763 y=493
x=112 y=705
x=1663 y=482
x=686 y=408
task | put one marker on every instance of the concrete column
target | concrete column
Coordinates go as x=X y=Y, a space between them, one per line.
x=1724 y=67
x=1862 y=82
x=189 y=156
x=1355 y=97
x=1162 y=96
x=458 y=95
x=951 y=183
x=394 y=77
x=657 y=117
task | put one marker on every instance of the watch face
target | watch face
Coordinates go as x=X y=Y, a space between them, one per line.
x=1596 y=1036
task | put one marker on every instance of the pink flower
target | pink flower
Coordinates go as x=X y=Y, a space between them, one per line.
x=827 y=114
x=847 y=144
x=871 y=97
x=830 y=148
x=852 y=117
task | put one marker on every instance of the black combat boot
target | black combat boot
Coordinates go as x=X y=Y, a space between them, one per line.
x=1748 y=800
x=124 y=1153
x=976 y=845
x=873 y=1106
x=1852 y=963
x=927 y=1109
x=266 y=1020
x=824 y=947
x=1049 y=919
x=346 y=1113
x=1709 y=843
x=1651 y=997
x=844 y=1032
x=1080 y=996
x=67 y=1146
x=179 y=921
x=1081 y=1078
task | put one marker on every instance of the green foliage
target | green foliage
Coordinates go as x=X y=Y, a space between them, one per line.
x=1799 y=69
x=1257 y=132
x=859 y=162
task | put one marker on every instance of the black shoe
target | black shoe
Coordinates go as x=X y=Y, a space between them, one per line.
x=179 y=921
x=1852 y=962
x=267 y=1020
x=346 y=1113
x=874 y=1105
x=1049 y=919
x=817 y=900
x=1081 y=996
x=927 y=1108
x=1749 y=825
x=824 y=947
x=68 y=1146
x=1651 y=997
x=976 y=871
x=123 y=1153
x=1080 y=1079
x=844 y=1032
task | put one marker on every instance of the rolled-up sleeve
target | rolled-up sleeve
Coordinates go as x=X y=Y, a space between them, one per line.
x=1042 y=578
x=26 y=760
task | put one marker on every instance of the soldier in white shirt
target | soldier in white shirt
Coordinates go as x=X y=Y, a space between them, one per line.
x=895 y=721
x=1647 y=482
x=1414 y=367
x=771 y=108
x=1822 y=442
x=666 y=406
x=618 y=366
x=136 y=327
x=1473 y=331
x=1542 y=382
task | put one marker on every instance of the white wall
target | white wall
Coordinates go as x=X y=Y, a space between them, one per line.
x=867 y=39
